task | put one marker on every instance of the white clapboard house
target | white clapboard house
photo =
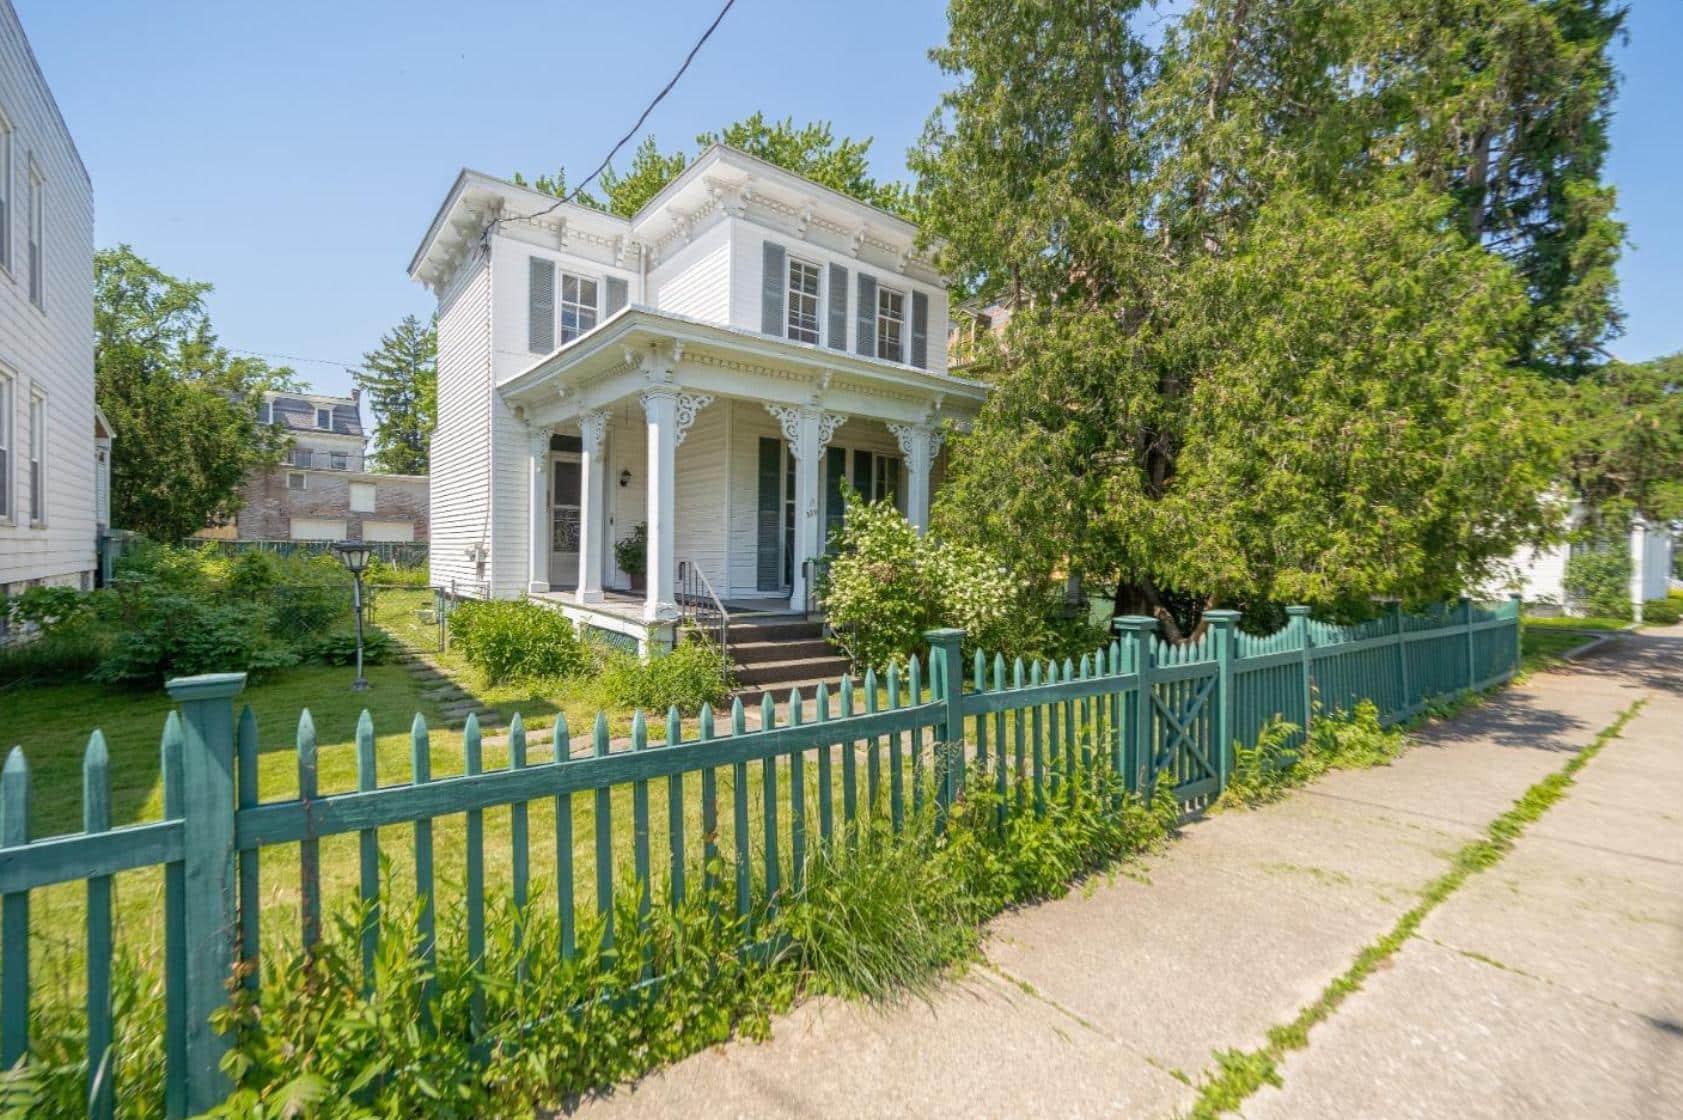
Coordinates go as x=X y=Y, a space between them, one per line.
x=713 y=369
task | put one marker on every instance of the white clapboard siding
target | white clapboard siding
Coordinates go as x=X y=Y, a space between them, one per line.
x=695 y=280
x=49 y=348
x=460 y=449
x=702 y=470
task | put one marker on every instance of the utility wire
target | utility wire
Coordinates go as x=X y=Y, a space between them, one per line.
x=573 y=194
x=293 y=358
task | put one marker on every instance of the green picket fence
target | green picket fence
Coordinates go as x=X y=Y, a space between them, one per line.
x=1150 y=710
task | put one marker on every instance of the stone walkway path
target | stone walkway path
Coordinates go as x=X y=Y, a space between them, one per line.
x=1550 y=984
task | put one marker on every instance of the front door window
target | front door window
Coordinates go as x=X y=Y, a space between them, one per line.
x=565 y=474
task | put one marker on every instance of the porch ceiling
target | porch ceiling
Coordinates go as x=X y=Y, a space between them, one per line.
x=640 y=346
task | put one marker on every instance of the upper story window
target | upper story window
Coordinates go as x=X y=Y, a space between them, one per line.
x=338 y=460
x=37 y=455
x=297 y=480
x=324 y=419
x=891 y=322
x=803 y=301
x=37 y=254
x=301 y=457
x=5 y=447
x=362 y=497
x=578 y=306
x=5 y=192
x=265 y=413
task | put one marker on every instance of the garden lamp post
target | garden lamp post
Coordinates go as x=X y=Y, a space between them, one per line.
x=354 y=555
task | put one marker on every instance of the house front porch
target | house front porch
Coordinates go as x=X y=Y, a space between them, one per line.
x=728 y=454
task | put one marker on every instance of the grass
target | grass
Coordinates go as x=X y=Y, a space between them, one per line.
x=1566 y=622
x=1240 y=1073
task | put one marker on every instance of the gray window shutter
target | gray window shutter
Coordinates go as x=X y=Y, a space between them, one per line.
x=838 y=307
x=835 y=503
x=768 y=568
x=540 y=307
x=773 y=278
x=866 y=331
x=920 y=330
x=616 y=296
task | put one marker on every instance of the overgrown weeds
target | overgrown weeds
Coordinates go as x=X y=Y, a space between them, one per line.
x=1284 y=758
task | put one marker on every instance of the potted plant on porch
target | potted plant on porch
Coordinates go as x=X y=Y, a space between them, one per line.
x=632 y=555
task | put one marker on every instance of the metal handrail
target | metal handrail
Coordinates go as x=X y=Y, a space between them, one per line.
x=700 y=606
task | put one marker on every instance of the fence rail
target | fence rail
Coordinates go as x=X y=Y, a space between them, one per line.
x=402 y=554
x=1152 y=711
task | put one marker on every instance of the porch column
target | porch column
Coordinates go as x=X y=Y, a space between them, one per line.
x=593 y=495
x=808 y=431
x=660 y=409
x=538 y=545
x=1638 y=565
x=919 y=444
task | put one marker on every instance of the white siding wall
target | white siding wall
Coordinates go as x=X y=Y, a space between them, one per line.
x=702 y=494
x=50 y=349
x=1656 y=562
x=460 y=454
x=695 y=279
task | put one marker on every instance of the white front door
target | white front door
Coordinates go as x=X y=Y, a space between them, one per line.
x=564 y=473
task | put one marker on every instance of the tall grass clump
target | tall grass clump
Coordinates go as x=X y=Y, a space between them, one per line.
x=1343 y=740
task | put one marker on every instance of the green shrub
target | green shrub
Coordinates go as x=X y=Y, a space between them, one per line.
x=692 y=674
x=886 y=586
x=1598 y=579
x=173 y=635
x=1351 y=740
x=516 y=640
x=1662 y=612
x=383 y=574
x=339 y=648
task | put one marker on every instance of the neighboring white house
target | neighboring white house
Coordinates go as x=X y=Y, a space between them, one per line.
x=1539 y=574
x=715 y=367
x=54 y=445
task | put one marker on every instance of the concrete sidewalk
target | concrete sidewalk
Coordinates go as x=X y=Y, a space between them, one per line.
x=1551 y=984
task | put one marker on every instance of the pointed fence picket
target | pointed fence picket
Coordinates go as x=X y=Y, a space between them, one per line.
x=1152 y=710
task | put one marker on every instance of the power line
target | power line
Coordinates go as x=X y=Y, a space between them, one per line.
x=623 y=140
x=295 y=358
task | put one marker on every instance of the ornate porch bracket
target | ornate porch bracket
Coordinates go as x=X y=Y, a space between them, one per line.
x=686 y=405
x=592 y=427
x=789 y=418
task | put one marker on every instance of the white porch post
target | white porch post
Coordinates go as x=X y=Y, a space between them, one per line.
x=538 y=553
x=592 y=505
x=808 y=431
x=660 y=409
x=919 y=444
x=1638 y=565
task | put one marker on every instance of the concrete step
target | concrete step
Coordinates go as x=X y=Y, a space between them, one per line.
x=768 y=673
x=753 y=653
x=774 y=629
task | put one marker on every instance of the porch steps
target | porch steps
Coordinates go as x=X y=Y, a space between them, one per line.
x=775 y=653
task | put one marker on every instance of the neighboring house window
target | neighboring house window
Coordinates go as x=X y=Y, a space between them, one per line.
x=891 y=318
x=297 y=480
x=37 y=254
x=803 y=301
x=338 y=461
x=362 y=497
x=324 y=419
x=37 y=451
x=578 y=306
x=265 y=413
x=5 y=448
x=300 y=457
x=5 y=192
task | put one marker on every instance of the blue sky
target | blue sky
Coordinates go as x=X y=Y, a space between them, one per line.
x=293 y=153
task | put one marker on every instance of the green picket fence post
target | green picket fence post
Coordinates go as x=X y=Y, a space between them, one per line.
x=1405 y=698
x=207 y=766
x=1225 y=624
x=1466 y=607
x=1138 y=631
x=1298 y=620
x=947 y=675
x=1518 y=601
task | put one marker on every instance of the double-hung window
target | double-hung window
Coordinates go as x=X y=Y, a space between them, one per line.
x=803 y=301
x=37 y=453
x=324 y=419
x=5 y=192
x=5 y=447
x=891 y=322
x=578 y=306
x=37 y=253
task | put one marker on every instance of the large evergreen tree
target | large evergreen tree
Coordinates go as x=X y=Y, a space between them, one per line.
x=184 y=408
x=401 y=380
x=1275 y=330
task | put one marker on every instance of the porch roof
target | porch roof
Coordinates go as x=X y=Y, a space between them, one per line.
x=619 y=357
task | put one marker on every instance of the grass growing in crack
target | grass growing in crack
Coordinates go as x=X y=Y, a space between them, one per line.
x=1240 y=1073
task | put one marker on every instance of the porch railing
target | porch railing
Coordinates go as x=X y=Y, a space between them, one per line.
x=700 y=606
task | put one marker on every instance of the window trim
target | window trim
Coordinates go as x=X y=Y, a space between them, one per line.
x=303 y=481
x=8 y=198
x=320 y=411
x=35 y=239
x=597 y=283
x=792 y=296
x=370 y=489
x=8 y=405
x=37 y=457
x=266 y=413
x=884 y=294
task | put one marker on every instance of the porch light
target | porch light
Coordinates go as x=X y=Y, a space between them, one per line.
x=354 y=555
x=624 y=479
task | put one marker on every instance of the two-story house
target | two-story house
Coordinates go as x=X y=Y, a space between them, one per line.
x=711 y=370
x=54 y=444
x=322 y=491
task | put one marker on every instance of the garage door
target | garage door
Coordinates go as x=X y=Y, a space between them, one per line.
x=388 y=530
x=317 y=529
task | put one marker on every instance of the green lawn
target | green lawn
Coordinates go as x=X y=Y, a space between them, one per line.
x=1564 y=622
x=1543 y=641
